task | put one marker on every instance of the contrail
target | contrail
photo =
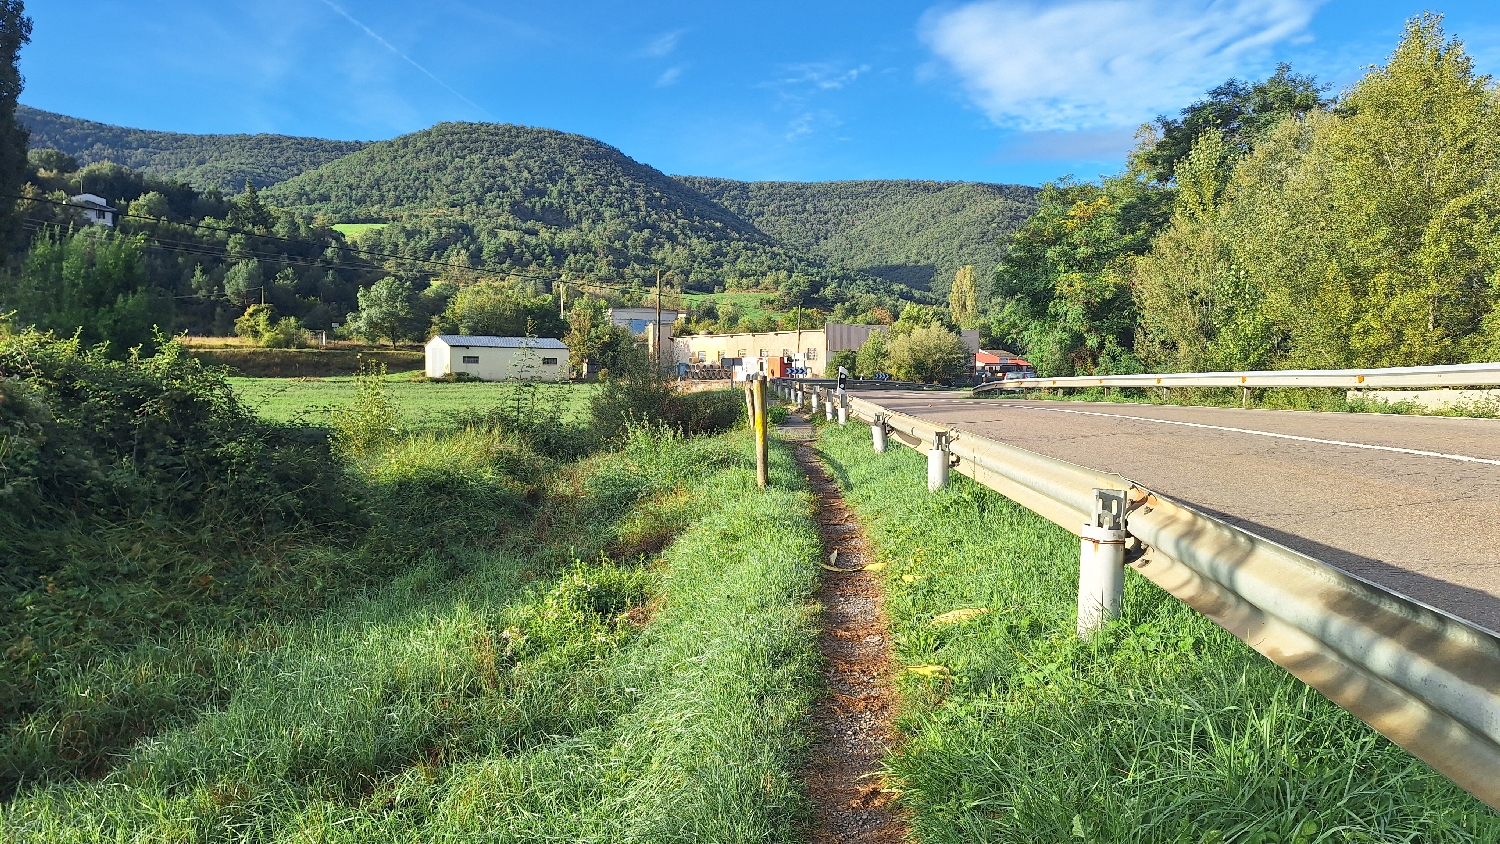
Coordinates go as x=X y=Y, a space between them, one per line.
x=384 y=43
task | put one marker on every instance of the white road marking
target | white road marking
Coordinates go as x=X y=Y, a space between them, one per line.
x=1462 y=458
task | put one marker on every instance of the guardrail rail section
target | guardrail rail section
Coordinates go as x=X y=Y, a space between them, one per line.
x=1426 y=680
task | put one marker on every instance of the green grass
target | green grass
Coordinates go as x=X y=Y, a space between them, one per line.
x=424 y=403
x=354 y=230
x=530 y=667
x=1164 y=728
x=749 y=303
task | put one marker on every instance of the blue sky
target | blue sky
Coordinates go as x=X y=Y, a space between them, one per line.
x=996 y=90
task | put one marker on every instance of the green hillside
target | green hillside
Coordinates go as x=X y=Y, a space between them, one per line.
x=912 y=232
x=202 y=160
x=528 y=199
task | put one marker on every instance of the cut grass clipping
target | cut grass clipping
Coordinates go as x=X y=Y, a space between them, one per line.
x=1164 y=728
x=565 y=682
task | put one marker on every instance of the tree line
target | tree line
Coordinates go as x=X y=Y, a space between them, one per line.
x=1272 y=226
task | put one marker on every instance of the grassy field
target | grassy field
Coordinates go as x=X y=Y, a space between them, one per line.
x=1164 y=728
x=747 y=302
x=424 y=403
x=532 y=666
x=354 y=230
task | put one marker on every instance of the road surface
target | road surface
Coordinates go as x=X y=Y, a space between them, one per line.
x=1409 y=502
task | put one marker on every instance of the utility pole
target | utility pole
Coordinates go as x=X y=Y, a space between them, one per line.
x=562 y=299
x=657 y=327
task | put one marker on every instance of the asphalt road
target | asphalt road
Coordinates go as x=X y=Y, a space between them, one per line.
x=1409 y=502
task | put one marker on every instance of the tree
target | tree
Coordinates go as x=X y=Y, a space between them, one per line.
x=932 y=354
x=244 y=282
x=1361 y=237
x=385 y=308
x=248 y=213
x=1239 y=111
x=93 y=283
x=53 y=160
x=150 y=204
x=963 y=297
x=592 y=339
x=501 y=309
x=872 y=356
x=15 y=32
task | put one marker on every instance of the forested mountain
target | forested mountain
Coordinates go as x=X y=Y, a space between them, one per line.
x=912 y=232
x=204 y=161
x=525 y=199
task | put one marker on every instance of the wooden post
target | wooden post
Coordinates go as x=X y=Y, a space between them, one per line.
x=762 y=447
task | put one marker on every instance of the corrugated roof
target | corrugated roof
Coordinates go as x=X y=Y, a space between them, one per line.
x=476 y=340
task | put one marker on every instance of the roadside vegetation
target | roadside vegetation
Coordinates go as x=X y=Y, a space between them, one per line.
x=1163 y=728
x=223 y=628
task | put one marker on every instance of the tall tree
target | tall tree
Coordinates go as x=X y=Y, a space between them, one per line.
x=1239 y=111
x=385 y=309
x=15 y=32
x=963 y=297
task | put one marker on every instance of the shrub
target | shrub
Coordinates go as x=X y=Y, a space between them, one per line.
x=930 y=354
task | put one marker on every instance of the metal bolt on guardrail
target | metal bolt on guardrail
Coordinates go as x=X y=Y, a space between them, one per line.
x=1101 y=563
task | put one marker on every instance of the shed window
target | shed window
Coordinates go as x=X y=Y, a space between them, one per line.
x=549 y=361
x=812 y=354
x=471 y=358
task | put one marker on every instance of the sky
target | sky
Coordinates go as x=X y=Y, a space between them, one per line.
x=993 y=90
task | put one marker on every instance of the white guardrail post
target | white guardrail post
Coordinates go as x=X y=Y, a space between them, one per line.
x=843 y=408
x=1101 y=563
x=877 y=433
x=937 y=463
x=828 y=404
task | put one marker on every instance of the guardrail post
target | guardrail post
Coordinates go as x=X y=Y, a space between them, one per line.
x=1101 y=563
x=843 y=408
x=797 y=394
x=877 y=433
x=937 y=463
x=1166 y=393
x=828 y=405
x=1244 y=397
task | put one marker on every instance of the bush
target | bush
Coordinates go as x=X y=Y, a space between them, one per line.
x=259 y=323
x=930 y=354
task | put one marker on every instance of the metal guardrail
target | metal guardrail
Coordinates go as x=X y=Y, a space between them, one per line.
x=1426 y=680
x=1457 y=375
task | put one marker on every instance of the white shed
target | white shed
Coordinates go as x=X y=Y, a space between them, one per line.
x=497 y=358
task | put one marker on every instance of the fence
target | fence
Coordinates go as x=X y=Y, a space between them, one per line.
x=1427 y=681
x=1457 y=375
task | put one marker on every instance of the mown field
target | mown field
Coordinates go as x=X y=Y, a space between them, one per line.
x=1164 y=728
x=479 y=631
x=424 y=403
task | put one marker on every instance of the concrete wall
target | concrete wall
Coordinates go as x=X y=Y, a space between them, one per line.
x=495 y=363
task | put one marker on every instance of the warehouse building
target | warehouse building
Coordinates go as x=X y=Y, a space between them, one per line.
x=497 y=358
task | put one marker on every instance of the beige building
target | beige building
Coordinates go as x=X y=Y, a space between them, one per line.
x=497 y=358
x=808 y=349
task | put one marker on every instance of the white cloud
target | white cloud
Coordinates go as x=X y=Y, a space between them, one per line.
x=662 y=45
x=826 y=76
x=1083 y=64
x=668 y=76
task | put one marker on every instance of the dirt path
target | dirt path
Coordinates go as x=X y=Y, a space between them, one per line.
x=854 y=722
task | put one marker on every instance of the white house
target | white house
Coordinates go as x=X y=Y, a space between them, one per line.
x=95 y=209
x=497 y=358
